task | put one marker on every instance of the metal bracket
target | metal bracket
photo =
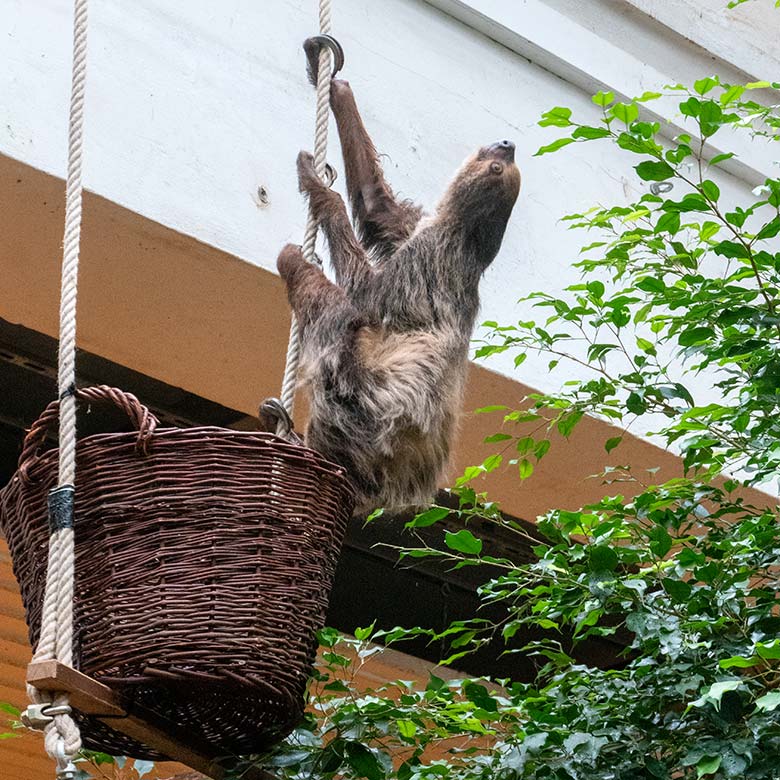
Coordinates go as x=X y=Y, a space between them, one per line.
x=35 y=717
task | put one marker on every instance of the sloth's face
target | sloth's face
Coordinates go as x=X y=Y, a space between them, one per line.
x=493 y=169
x=484 y=191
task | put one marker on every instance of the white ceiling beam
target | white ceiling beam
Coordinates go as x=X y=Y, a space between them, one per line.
x=579 y=56
x=747 y=36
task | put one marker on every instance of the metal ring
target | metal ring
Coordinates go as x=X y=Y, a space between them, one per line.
x=330 y=175
x=659 y=187
x=335 y=49
x=57 y=709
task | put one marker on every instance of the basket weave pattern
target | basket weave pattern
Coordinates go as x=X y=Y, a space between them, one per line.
x=204 y=559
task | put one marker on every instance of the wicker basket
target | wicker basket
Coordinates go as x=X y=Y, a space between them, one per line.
x=204 y=559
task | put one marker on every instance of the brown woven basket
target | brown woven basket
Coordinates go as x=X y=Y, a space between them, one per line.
x=204 y=559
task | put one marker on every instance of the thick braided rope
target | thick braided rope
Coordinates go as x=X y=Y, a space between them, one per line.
x=61 y=736
x=310 y=235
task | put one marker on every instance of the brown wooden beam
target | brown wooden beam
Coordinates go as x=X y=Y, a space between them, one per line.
x=97 y=700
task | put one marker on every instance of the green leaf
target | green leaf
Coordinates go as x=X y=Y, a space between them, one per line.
x=374 y=515
x=553 y=147
x=603 y=99
x=559 y=116
x=595 y=288
x=463 y=541
x=646 y=346
x=707 y=765
x=10 y=709
x=710 y=190
x=651 y=284
x=714 y=693
x=479 y=695
x=625 y=112
x=731 y=249
x=526 y=468
x=654 y=170
x=591 y=133
x=702 y=86
x=636 y=404
x=362 y=634
x=363 y=762
x=738 y=662
x=492 y=462
x=679 y=590
x=519 y=359
x=695 y=335
x=769 y=702
x=770 y=230
x=690 y=107
x=719 y=158
x=406 y=728
x=668 y=222
x=602 y=558
x=488 y=409
x=612 y=443
x=660 y=541
x=429 y=517
x=496 y=437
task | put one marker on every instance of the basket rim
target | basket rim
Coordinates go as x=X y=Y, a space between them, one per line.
x=106 y=439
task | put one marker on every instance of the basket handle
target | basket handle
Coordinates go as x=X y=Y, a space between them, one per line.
x=143 y=420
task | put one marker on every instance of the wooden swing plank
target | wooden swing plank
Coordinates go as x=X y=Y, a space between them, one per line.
x=99 y=701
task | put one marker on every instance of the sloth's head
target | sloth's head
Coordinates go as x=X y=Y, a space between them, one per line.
x=481 y=196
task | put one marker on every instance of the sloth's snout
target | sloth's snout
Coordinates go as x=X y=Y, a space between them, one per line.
x=502 y=150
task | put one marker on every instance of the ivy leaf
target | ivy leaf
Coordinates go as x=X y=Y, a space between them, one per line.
x=143 y=768
x=708 y=765
x=768 y=702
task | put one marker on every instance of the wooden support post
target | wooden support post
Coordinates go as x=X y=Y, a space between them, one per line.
x=92 y=698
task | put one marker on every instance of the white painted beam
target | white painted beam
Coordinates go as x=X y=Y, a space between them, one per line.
x=567 y=49
x=747 y=36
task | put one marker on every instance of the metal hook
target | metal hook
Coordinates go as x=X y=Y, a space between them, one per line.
x=335 y=49
x=659 y=187
x=330 y=175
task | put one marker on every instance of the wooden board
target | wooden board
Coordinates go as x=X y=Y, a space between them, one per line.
x=91 y=697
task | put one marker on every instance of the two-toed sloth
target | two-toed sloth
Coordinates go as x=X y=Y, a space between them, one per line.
x=385 y=347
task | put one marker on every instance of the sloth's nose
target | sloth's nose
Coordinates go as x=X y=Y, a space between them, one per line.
x=503 y=149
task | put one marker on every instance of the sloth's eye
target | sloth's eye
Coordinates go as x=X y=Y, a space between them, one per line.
x=496 y=167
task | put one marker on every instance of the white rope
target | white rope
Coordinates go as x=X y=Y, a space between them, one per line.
x=61 y=736
x=324 y=73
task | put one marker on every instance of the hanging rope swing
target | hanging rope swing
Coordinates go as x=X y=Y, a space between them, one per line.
x=176 y=610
